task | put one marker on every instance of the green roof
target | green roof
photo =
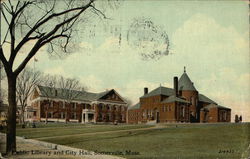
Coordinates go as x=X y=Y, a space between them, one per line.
x=160 y=91
x=70 y=94
x=185 y=83
x=203 y=98
x=214 y=106
x=136 y=106
x=170 y=91
x=173 y=98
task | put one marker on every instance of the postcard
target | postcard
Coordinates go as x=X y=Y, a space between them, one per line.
x=135 y=79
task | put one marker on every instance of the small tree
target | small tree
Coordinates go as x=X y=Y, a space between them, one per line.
x=26 y=81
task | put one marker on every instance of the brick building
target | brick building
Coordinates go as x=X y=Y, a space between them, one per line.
x=182 y=103
x=52 y=104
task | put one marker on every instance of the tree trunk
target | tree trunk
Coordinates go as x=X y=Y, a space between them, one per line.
x=46 y=115
x=11 y=119
x=23 y=110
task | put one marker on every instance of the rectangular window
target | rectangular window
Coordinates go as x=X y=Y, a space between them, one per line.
x=50 y=114
x=63 y=115
x=75 y=116
x=51 y=104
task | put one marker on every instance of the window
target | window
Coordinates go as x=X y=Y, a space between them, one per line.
x=73 y=115
x=100 y=106
x=182 y=112
x=50 y=114
x=164 y=108
x=51 y=104
x=144 y=114
x=63 y=105
x=100 y=116
x=169 y=108
x=224 y=115
x=63 y=115
x=74 y=105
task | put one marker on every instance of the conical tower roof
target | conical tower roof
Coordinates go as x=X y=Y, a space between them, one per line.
x=185 y=83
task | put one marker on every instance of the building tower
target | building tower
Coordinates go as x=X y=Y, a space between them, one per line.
x=188 y=91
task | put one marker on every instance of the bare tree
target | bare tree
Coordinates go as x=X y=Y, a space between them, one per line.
x=48 y=86
x=71 y=89
x=26 y=81
x=53 y=24
x=67 y=89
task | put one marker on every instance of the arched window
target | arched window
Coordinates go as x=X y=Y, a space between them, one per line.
x=182 y=112
x=100 y=106
x=193 y=101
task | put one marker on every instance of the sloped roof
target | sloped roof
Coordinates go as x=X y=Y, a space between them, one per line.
x=76 y=95
x=214 y=106
x=185 y=83
x=173 y=98
x=136 y=106
x=205 y=99
x=160 y=91
x=170 y=91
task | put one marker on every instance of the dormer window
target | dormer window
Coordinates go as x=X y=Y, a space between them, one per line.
x=55 y=92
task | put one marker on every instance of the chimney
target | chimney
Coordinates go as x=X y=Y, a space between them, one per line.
x=145 y=90
x=176 y=86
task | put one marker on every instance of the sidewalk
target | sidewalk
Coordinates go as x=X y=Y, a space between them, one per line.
x=28 y=148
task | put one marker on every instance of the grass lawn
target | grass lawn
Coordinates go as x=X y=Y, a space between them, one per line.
x=222 y=141
x=186 y=141
x=70 y=129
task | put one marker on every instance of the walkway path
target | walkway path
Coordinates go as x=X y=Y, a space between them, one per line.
x=102 y=132
x=32 y=149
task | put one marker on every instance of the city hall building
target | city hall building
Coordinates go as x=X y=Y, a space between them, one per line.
x=58 y=105
x=182 y=103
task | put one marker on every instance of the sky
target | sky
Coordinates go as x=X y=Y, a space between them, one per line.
x=210 y=38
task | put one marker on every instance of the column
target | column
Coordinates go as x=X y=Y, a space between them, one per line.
x=82 y=116
x=86 y=117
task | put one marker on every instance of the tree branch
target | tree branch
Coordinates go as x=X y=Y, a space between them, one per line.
x=37 y=25
x=4 y=61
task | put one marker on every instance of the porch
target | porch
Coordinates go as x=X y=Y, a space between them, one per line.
x=88 y=116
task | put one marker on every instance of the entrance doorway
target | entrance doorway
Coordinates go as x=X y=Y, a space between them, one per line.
x=157 y=117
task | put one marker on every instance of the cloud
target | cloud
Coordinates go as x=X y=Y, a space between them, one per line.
x=135 y=89
x=220 y=57
x=214 y=45
x=92 y=83
x=56 y=71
